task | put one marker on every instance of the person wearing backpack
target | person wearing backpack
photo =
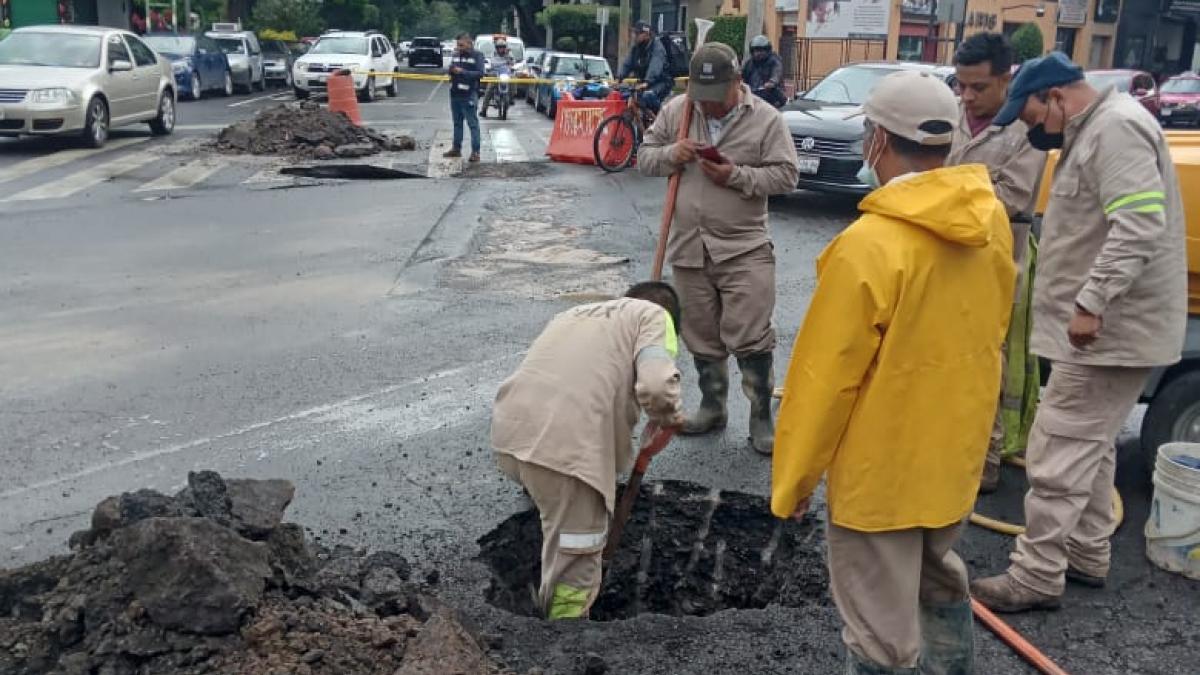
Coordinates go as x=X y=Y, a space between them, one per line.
x=649 y=62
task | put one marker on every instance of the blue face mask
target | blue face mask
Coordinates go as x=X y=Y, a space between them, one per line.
x=866 y=175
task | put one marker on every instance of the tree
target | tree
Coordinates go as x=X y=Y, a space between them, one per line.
x=350 y=14
x=730 y=30
x=577 y=22
x=301 y=17
x=1027 y=42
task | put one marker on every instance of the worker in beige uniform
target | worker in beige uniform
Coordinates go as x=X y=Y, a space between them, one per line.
x=737 y=153
x=562 y=424
x=983 y=65
x=1110 y=304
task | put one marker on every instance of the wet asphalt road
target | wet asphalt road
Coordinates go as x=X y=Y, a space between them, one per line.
x=350 y=337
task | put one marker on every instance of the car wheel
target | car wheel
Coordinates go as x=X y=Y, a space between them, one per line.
x=165 y=122
x=227 y=89
x=367 y=93
x=262 y=82
x=301 y=94
x=552 y=109
x=1173 y=415
x=393 y=89
x=197 y=88
x=95 y=126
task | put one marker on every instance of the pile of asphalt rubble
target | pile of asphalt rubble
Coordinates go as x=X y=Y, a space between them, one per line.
x=211 y=580
x=306 y=130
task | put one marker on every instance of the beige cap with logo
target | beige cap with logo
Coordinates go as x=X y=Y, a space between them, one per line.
x=906 y=101
x=713 y=67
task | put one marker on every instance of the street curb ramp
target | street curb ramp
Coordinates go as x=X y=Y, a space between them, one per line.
x=575 y=126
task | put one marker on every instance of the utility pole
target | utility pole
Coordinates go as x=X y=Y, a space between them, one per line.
x=622 y=30
x=646 y=7
x=754 y=24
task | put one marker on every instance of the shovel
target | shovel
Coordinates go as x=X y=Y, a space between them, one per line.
x=654 y=439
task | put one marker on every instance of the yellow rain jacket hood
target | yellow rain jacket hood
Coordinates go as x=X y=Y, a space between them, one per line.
x=895 y=374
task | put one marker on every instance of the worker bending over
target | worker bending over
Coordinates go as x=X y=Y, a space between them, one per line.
x=1110 y=304
x=893 y=382
x=562 y=425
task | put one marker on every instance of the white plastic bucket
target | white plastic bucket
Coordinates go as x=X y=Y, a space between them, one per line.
x=1173 y=529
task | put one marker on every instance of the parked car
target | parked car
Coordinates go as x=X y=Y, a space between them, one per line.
x=82 y=80
x=360 y=52
x=1179 y=100
x=425 y=51
x=198 y=63
x=1138 y=84
x=536 y=69
x=524 y=69
x=567 y=70
x=829 y=145
x=448 y=47
x=277 y=62
x=244 y=53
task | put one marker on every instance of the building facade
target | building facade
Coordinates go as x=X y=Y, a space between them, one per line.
x=1158 y=36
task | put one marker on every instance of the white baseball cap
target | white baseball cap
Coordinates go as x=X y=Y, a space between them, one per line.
x=914 y=104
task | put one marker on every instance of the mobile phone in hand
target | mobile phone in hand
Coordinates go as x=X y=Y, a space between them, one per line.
x=710 y=153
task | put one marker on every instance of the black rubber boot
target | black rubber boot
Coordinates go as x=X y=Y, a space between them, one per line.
x=857 y=665
x=947 y=639
x=758 y=383
x=714 y=387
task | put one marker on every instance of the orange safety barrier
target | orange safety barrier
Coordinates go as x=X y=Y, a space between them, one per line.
x=575 y=125
x=342 y=97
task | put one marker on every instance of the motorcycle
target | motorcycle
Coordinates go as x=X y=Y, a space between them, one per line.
x=500 y=95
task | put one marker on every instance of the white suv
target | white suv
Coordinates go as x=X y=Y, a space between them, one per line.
x=354 y=50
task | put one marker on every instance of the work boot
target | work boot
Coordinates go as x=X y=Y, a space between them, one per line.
x=1004 y=594
x=758 y=383
x=990 y=480
x=714 y=388
x=947 y=639
x=1083 y=579
x=452 y=153
x=474 y=157
x=858 y=665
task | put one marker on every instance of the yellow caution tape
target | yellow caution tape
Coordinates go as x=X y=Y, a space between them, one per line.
x=486 y=80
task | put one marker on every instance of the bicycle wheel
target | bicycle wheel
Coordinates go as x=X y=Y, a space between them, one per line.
x=615 y=143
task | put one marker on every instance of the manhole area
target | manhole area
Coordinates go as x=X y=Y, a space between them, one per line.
x=688 y=550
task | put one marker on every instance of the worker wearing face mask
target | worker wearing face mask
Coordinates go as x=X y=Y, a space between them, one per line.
x=1109 y=303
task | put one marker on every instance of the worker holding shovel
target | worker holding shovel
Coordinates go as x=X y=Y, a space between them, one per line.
x=562 y=426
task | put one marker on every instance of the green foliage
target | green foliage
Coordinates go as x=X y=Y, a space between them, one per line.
x=284 y=35
x=729 y=29
x=349 y=14
x=566 y=44
x=298 y=17
x=1027 y=42
x=577 y=22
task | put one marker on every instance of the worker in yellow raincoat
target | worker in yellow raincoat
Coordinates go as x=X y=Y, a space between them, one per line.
x=893 y=382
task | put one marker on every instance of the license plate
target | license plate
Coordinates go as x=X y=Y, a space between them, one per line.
x=1166 y=113
x=808 y=164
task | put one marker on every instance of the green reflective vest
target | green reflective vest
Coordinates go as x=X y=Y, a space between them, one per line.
x=1022 y=381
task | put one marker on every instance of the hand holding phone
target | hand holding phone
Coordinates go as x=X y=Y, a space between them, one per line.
x=711 y=154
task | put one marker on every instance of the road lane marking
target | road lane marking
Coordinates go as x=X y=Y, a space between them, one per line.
x=271 y=175
x=32 y=166
x=81 y=180
x=187 y=175
x=442 y=167
x=506 y=146
x=329 y=412
x=251 y=100
x=200 y=127
x=434 y=91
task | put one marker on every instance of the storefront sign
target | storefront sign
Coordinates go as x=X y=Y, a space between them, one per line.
x=1072 y=12
x=918 y=7
x=847 y=18
x=981 y=20
x=787 y=5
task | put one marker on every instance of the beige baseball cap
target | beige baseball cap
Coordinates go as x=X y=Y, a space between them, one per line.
x=907 y=101
x=714 y=66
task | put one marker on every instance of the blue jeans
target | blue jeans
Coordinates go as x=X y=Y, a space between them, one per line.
x=464 y=109
x=649 y=101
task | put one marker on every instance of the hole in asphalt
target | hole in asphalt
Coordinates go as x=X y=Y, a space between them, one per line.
x=348 y=171
x=687 y=551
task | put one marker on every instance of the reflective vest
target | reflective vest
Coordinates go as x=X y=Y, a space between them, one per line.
x=1022 y=381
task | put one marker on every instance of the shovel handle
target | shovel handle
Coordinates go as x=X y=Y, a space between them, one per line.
x=664 y=228
x=654 y=439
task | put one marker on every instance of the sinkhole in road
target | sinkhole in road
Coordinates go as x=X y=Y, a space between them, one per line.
x=688 y=550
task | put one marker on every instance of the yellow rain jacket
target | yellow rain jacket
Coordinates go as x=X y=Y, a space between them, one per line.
x=895 y=373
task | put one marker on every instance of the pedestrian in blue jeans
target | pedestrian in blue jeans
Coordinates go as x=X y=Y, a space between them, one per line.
x=466 y=69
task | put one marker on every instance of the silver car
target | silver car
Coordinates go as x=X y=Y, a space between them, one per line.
x=84 y=80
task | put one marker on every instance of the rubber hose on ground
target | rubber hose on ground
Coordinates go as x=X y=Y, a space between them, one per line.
x=1012 y=529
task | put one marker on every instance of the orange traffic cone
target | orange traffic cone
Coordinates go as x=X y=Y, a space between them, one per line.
x=342 y=97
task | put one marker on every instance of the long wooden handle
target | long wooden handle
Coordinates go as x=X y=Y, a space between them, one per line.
x=664 y=228
x=1015 y=640
x=621 y=516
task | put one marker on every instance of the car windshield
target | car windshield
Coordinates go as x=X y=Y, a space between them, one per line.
x=340 y=45
x=57 y=50
x=1104 y=80
x=568 y=65
x=427 y=42
x=488 y=49
x=1182 y=85
x=848 y=85
x=596 y=67
x=170 y=44
x=274 y=50
x=231 y=45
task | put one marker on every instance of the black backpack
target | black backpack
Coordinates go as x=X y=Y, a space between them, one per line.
x=677 y=56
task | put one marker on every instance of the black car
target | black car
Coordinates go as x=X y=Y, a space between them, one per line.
x=827 y=129
x=425 y=51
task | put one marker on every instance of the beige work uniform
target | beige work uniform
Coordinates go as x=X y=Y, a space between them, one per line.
x=720 y=250
x=562 y=425
x=1113 y=243
x=1016 y=168
x=880 y=580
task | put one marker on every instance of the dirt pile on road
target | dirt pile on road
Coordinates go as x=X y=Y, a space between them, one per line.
x=687 y=550
x=212 y=580
x=306 y=130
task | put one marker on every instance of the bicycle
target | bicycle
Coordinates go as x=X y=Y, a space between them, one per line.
x=617 y=138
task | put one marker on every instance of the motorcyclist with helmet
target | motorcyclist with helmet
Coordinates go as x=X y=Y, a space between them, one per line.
x=501 y=63
x=763 y=72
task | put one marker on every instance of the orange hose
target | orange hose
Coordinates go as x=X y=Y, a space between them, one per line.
x=664 y=228
x=1013 y=639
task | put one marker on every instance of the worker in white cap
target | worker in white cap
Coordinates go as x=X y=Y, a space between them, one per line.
x=892 y=386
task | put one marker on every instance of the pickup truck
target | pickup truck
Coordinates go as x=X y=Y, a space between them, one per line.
x=1173 y=393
